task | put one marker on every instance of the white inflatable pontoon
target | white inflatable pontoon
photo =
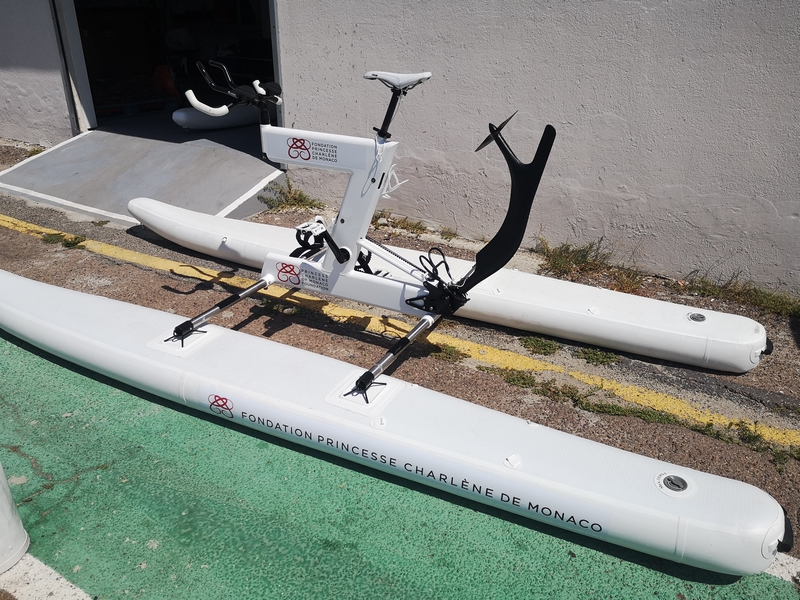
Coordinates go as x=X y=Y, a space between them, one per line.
x=405 y=430
x=698 y=337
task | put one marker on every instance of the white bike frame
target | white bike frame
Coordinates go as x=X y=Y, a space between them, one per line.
x=370 y=165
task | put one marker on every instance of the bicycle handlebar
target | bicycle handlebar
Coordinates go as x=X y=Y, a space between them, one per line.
x=219 y=111
x=257 y=96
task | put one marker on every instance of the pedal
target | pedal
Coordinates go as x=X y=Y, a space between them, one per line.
x=312 y=228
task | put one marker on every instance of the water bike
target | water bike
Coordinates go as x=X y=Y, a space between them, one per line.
x=384 y=423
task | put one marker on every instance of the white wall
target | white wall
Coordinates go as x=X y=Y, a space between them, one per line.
x=33 y=106
x=678 y=122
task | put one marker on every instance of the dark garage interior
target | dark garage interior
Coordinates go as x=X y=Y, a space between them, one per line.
x=141 y=54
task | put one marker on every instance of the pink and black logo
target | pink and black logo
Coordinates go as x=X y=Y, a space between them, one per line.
x=288 y=273
x=299 y=148
x=221 y=406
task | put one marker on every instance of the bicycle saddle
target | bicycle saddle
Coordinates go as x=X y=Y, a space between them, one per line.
x=398 y=81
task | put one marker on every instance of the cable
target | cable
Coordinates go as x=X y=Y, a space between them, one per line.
x=432 y=268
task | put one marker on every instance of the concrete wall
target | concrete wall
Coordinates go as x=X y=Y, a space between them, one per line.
x=33 y=105
x=678 y=122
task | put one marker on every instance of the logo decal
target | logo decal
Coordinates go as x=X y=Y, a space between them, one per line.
x=288 y=273
x=299 y=148
x=221 y=406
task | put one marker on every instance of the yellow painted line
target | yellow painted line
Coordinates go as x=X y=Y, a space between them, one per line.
x=685 y=410
x=505 y=359
x=394 y=327
x=23 y=227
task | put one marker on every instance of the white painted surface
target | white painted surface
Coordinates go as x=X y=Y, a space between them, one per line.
x=786 y=567
x=31 y=579
x=678 y=123
x=33 y=105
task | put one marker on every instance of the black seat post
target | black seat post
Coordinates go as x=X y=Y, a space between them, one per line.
x=387 y=120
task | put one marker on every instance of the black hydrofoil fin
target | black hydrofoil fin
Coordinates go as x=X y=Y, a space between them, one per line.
x=524 y=183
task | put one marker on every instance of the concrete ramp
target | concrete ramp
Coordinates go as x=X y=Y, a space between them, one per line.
x=96 y=173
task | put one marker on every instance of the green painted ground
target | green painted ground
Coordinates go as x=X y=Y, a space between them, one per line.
x=129 y=496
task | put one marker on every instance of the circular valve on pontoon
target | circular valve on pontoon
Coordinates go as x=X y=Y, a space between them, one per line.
x=677 y=486
x=696 y=317
x=675 y=483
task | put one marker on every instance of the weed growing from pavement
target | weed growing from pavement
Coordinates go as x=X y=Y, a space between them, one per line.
x=100 y=223
x=780 y=457
x=749 y=437
x=738 y=432
x=377 y=217
x=566 y=259
x=413 y=227
x=549 y=389
x=68 y=241
x=404 y=223
x=590 y=259
x=736 y=290
x=281 y=307
x=447 y=234
x=284 y=196
x=447 y=353
x=539 y=345
x=627 y=279
x=74 y=241
x=648 y=415
x=596 y=356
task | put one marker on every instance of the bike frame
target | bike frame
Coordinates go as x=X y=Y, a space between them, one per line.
x=368 y=161
x=336 y=260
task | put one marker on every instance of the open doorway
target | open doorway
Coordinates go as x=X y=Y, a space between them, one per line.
x=140 y=54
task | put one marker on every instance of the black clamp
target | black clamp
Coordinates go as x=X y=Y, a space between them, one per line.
x=442 y=298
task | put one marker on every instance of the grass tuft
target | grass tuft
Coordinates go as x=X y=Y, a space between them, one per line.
x=596 y=356
x=736 y=290
x=74 y=241
x=379 y=214
x=53 y=238
x=525 y=379
x=566 y=259
x=68 y=241
x=414 y=227
x=447 y=234
x=539 y=345
x=285 y=196
x=447 y=353
x=627 y=279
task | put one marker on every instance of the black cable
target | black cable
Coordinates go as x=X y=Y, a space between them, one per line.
x=432 y=268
